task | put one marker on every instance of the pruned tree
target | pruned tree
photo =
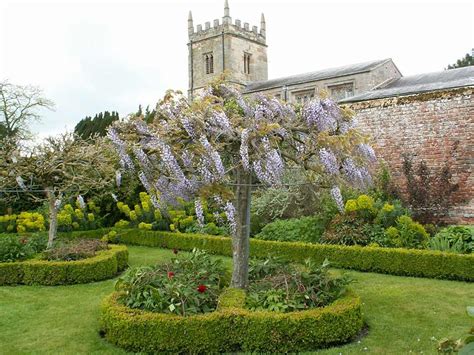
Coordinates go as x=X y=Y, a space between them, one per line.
x=220 y=145
x=59 y=168
x=19 y=106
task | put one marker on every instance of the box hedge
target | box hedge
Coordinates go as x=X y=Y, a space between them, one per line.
x=106 y=264
x=395 y=261
x=231 y=327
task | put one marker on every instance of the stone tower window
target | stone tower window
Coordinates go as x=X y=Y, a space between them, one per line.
x=247 y=63
x=209 y=59
x=303 y=97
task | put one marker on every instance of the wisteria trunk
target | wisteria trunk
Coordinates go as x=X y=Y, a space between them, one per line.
x=240 y=241
x=53 y=217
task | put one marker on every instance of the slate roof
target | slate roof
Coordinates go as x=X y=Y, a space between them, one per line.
x=315 y=76
x=414 y=84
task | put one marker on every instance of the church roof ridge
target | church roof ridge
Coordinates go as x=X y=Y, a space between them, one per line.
x=418 y=83
x=316 y=75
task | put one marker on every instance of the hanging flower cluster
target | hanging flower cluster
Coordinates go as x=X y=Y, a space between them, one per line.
x=193 y=149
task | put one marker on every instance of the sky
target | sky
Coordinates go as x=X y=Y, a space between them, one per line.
x=92 y=56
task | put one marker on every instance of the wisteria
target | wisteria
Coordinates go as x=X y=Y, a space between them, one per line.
x=80 y=202
x=244 y=148
x=358 y=176
x=199 y=212
x=336 y=195
x=114 y=197
x=120 y=146
x=144 y=181
x=220 y=120
x=118 y=178
x=57 y=204
x=329 y=161
x=229 y=210
x=315 y=114
x=21 y=182
x=214 y=157
x=367 y=151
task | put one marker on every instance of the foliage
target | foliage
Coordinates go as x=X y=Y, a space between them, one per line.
x=185 y=286
x=231 y=328
x=181 y=218
x=105 y=265
x=85 y=217
x=463 y=346
x=305 y=229
x=24 y=222
x=289 y=288
x=466 y=61
x=18 y=247
x=90 y=127
x=457 y=239
x=407 y=234
x=346 y=229
x=430 y=191
x=395 y=261
x=76 y=249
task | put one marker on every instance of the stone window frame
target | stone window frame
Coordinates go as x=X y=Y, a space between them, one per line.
x=209 y=62
x=247 y=57
x=303 y=93
x=330 y=86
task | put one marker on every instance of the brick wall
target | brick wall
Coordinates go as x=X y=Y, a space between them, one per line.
x=428 y=126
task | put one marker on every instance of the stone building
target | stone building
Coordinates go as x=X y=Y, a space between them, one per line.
x=430 y=116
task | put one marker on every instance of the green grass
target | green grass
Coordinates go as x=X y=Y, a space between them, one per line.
x=403 y=313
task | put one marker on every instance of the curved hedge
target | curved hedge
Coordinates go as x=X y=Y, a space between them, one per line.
x=106 y=264
x=395 y=261
x=231 y=327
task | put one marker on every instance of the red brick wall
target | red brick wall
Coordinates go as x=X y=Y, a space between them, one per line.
x=428 y=126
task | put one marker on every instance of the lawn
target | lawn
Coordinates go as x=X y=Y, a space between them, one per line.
x=404 y=314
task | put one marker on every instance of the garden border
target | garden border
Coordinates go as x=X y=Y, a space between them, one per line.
x=394 y=261
x=104 y=265
x=231 y=327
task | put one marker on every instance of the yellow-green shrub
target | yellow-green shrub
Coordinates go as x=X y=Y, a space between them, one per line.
x=24 y=222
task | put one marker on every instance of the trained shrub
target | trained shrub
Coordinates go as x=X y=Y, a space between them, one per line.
x=231 y=328
x=305 y=229
x=395 y=261
x=106 y=264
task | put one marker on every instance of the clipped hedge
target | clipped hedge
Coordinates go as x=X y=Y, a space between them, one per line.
x=395 y=261
x=106 y=264
x=231 y=327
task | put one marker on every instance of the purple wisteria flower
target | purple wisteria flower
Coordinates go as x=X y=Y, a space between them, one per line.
x=21 y=182
x=142 y=159
x=336 y=195
x=118 y=178
x=316 y=115
x=367 y=151
x=114 y=197
x=358 y=176
x=230 y=212
x=329 y=161
x=57 y=204
x=144 y=181
x=81 y=203
x=220 y=120
x=214 y=156
x=199 y=212
x=244 y=148
x=120 y=146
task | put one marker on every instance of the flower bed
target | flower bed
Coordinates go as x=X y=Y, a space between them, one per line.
x=395 y=261
x=106 y=264
x=231 y=327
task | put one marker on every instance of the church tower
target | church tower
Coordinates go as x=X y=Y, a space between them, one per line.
x=226 y=46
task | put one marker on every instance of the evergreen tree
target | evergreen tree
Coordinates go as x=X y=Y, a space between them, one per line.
x=463 y=62
x=88 y=127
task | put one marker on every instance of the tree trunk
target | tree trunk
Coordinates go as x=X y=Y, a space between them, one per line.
x=240 y=241
x=53 y=216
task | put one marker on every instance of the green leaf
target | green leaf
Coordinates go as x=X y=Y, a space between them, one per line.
x=470 y=310
x=171 y=307
x=467 y=350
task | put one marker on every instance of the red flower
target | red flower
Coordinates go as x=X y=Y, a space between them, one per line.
x=170 y=274
x=202 y=288
x=175 y=251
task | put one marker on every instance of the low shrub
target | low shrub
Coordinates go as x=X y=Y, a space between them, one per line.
x=305 y=229
x=74 y=249
x=407 y=234
x=290 y=288
x=346 y=229
x=23 y=222
x=231 y=328
x=396 y=261
x=185 y=286
x=106 y=264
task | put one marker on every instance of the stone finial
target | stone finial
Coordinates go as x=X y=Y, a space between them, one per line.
x=226 y=20
x=207 y=25
x=238 y=23
x=190 y=23
x=263 y=26
x=255 y=29
x=216 y=23
x=199 y=28
x=246 y=26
